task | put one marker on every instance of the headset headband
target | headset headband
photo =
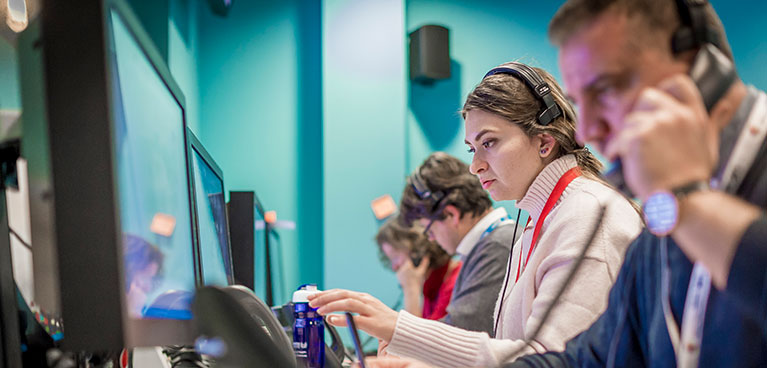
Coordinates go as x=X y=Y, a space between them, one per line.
x=694 y=31
x=422 y=190
x=541 y=90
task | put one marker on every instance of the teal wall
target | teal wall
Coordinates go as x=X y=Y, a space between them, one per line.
x=364 y=94
x=182 y=45
x=744 y=22
x=154 y=15
x=260 y=103
x=9 y=77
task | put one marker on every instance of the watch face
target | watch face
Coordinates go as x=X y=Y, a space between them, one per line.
x=660 y=213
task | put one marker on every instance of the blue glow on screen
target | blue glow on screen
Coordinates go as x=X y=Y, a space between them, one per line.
x=211 y=220
x=152 y=180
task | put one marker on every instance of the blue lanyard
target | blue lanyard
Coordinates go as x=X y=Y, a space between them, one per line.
x=493 y=226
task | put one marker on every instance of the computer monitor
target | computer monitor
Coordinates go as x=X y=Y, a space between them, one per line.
x=122 y=234
x=252 y=239
x=211 y=216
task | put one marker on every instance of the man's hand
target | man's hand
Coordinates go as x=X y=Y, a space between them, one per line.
x=668 y=139
x=373 y=316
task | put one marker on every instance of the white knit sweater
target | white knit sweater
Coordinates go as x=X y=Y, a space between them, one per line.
x=564 y=234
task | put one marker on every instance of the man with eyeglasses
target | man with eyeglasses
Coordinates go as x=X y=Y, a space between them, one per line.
x=445 y=198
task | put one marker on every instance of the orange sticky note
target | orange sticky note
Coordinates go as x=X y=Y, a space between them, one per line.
x=270 y=217
x=383 y=206
x=163 y=224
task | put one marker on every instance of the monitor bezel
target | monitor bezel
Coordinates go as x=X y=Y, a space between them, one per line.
x=196 y=146
x=78 y=84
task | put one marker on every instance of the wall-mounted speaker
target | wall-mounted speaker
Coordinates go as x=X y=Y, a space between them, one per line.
x=429 y=54
x=220 y=7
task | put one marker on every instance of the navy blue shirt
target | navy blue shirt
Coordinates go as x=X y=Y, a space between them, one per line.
x=635 y=326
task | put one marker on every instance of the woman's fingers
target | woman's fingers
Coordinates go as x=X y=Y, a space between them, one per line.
x=325 y=297
x=372 y=317
x=345 y=305
x=337 y=320
x=390 y=362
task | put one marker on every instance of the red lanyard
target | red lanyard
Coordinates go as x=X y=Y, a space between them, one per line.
x=563 y=182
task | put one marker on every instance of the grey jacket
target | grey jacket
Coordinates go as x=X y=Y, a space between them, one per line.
x=479 y=281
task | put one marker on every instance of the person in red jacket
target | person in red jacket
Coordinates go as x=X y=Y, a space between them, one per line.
x=425 y=271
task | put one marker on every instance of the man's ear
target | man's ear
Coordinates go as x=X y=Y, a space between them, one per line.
x=453 y=215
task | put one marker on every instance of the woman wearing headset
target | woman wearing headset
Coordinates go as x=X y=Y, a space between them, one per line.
x=521 y=130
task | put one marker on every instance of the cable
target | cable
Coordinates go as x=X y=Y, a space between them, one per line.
x=508 y=273
x=567 y=282
x=18 y=237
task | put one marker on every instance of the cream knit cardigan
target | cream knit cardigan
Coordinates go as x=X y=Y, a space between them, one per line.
x=564 y=234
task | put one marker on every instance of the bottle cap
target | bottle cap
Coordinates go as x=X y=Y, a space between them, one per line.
x=300 y=295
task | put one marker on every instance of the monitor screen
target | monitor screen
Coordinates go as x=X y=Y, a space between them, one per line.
x=212 y=225
x=152 y=183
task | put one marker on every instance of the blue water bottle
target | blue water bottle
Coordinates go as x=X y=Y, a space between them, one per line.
x=308 y=329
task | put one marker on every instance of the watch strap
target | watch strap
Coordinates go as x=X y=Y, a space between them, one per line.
x=689 y=188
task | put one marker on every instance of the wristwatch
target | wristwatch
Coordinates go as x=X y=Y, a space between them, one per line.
x=661 y=209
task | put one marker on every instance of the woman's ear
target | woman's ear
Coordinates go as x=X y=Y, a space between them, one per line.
x=547 y=145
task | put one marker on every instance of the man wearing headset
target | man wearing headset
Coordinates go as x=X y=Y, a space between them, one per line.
x=458 y=214
x=643 y=74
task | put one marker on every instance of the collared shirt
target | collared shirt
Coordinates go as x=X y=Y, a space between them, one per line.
x=472 y=237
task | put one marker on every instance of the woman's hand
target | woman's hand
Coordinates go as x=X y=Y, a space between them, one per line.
x=382 y=345
x=373 y=316
x=393 y=363
x=411 y=277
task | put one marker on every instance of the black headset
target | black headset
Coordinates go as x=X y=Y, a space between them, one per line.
x=694 y=31
x=422 y=190
x=711 y=70
x=541 y=90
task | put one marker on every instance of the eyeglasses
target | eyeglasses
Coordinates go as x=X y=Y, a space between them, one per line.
x=428 y=227
x=439 y=207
